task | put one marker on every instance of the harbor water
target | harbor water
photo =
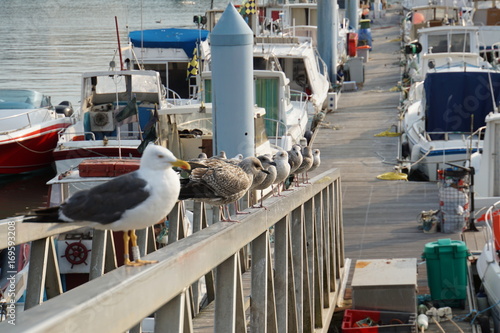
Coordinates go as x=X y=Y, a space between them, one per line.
x=47 y=45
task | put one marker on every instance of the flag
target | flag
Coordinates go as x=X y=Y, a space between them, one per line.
x=128 y=114
x=149 y=131
x=192 y=69
x=248 y=8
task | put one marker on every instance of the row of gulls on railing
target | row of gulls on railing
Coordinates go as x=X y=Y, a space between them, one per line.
x=146 y=196
x=219 y=180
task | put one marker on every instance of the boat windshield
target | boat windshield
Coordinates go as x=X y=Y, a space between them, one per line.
x=118 y=83
x=449 y=43
x=22 y=99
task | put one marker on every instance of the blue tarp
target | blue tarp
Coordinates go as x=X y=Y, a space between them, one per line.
x=451 y=99
x=185 y=39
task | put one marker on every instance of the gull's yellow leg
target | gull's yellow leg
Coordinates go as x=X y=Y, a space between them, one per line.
x=135 y=248
x=126 y=254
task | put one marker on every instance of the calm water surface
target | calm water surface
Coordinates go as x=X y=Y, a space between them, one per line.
x=47 y=45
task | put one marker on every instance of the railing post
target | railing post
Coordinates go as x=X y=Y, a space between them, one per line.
x=43 y=275
x=281 y=277
x=339 y=223
x=260 y=269
x=298 y=262
x=176 y=224
x=319 y=260
x=171 y=317
x=332 y=234
x=102 y=256
x=225 y=296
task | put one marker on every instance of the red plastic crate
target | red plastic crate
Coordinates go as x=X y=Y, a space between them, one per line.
x=388 y=322
x=107 y=167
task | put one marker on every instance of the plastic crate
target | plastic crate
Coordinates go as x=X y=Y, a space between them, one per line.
x=386 y=321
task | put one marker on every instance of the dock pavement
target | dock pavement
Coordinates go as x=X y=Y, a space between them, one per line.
x=379 y=216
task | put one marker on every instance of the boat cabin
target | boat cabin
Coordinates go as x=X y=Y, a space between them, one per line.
x=104 y=95
x=170 y=52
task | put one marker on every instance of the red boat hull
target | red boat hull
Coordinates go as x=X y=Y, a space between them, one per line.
x=29 y=152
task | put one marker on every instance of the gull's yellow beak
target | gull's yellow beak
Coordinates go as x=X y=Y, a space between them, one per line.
x=181 y=164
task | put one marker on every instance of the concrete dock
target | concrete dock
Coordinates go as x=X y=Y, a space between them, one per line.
x=380 y=216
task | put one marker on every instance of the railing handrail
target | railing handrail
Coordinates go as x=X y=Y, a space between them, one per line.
x=26 y=114
x=45 y=109
x=122 y=298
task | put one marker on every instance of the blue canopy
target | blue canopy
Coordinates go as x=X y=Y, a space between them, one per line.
x=172 y=38
x=451 y=99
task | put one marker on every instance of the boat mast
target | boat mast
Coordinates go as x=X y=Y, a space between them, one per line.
x=119 y=46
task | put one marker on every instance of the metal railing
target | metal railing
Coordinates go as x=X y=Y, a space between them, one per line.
x=279 y=269
x=24 y=119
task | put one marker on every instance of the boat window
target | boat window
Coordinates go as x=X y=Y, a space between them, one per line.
x=267 y=97
x=299 y=78
x=259 y=63
x=299 y=16
x=160 y=68
x=438 y=43
x=177 y=78
x=459 y=43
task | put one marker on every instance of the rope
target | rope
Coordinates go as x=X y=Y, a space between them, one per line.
x=458 y=327
x=29 y=149
x=478 y=312
x=440 y=327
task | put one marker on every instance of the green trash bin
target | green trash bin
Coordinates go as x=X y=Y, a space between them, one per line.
x=446 y=262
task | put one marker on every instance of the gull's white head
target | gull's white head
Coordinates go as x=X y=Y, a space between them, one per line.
x=160 y=158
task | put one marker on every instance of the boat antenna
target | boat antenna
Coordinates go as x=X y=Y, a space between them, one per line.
x=495 y=106
x=119 y=46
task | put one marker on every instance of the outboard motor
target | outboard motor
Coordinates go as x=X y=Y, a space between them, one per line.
x=65 y=108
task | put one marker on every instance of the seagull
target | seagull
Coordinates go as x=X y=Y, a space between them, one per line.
x=219 y=182
x=316 y=160
x=261 y=176
x=295 y=160
x=135 y=200
x=282 y=169
x=269 y=178
x=307 y=161
x=221 y=156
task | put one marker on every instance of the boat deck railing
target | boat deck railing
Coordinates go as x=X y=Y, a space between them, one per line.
x=279 y=269
x=22 y=120
x=91 y=136
x=302 y=98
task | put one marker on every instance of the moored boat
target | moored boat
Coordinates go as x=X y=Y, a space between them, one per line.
x=29 y=128
x=117 y=109
x=453 y=90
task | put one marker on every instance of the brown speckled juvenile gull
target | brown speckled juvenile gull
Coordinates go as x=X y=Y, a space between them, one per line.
x=219 y=182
